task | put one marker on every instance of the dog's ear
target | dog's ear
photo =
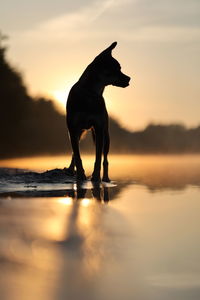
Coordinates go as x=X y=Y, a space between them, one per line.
x=107 y=51
x=111 y=47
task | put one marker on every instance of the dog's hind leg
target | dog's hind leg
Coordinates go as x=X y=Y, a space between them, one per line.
x=70 y=170
x=99 y=148
x=76 y=158
x=106 y=146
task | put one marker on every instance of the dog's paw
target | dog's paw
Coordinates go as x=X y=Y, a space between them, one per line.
x=106 y=179
x=81 y=177
x=96 y=178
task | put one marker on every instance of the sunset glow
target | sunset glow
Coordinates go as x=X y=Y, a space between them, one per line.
x=61 y=97
x=158 y=45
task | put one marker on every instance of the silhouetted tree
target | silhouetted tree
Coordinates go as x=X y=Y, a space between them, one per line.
x=28 y=126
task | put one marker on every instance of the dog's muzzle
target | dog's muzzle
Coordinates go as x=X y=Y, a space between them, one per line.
x=122 y=81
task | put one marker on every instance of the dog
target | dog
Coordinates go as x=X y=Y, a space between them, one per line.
x=86 y=110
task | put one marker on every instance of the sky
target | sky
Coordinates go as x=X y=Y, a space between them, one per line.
x=52 y=42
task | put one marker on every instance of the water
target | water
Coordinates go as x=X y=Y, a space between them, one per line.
x=136 y=238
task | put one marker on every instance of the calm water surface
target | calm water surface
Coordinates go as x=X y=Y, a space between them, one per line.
x=136 y=239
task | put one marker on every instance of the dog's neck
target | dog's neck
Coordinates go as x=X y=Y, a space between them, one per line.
x=94 y=88
x=89 y=81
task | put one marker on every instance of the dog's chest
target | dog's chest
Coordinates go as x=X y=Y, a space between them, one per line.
x=95 y=105
x=82 y=100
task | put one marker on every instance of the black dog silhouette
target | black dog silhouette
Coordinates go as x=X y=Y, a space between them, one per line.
x=86 y=110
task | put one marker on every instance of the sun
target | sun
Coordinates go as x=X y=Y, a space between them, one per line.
x=61 y=91
x=61 y=96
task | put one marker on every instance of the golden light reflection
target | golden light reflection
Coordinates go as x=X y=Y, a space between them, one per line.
x=88 y=221
x=66 y=201
x=86 y=202
x=55 y=225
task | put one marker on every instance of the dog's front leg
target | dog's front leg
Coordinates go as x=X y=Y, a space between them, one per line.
x=99 y=146
x=106 y=146
x=76 y=155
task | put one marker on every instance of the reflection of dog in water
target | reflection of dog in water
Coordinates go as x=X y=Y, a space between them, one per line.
x=86 y=110
x=98 y=192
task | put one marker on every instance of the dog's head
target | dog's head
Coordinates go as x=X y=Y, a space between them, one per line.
x=108 y=69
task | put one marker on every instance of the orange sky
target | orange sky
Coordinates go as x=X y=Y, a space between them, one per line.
x=158 y=46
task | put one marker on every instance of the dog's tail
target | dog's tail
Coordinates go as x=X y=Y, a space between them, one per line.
x=83 y=134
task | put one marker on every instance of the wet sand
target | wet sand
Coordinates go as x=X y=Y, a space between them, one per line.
x=136 y=239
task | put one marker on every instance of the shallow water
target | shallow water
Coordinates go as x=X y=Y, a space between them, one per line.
x=137 y=238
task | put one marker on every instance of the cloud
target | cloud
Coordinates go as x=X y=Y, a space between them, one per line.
x=164 y=34
x=74 y=24
x=131 y=20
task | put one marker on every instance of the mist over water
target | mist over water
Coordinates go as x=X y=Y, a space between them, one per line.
x=136 y=238
x=154 y=171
